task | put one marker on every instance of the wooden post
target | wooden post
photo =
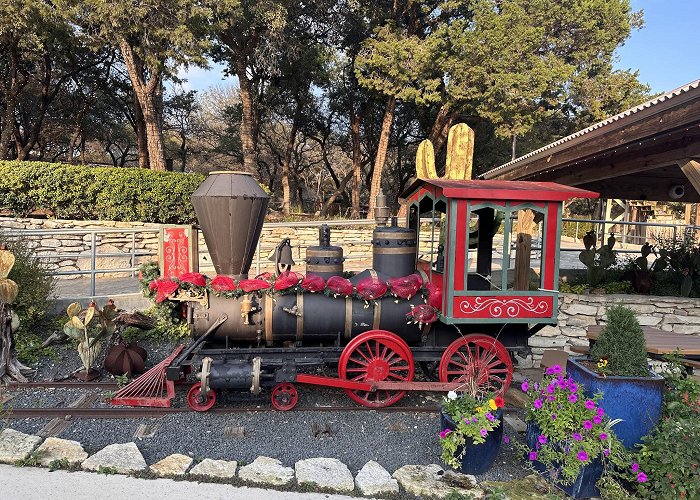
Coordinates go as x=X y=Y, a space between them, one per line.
x=691 y=169
x=523 y=247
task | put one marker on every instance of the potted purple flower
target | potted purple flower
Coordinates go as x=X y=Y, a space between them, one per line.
x=569 y=437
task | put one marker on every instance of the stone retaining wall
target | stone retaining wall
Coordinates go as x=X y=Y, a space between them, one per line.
x=577 y=312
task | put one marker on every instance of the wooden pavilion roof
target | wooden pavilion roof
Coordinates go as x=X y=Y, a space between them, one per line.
x=639 y=154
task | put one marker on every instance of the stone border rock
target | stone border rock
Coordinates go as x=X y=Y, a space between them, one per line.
x=323 y=474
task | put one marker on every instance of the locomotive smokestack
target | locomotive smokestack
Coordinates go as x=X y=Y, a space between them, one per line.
x=231 y=207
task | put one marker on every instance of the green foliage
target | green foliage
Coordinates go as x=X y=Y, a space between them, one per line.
x=78 y=192
x=106 y=470
x=682 y=394
x=31 y=460
x=573 y=430
x=168 y=314
x=89 y=327
x=36 y=289
x=59 y=464
x=569 y=229
x=622 y=343
x=682 y=256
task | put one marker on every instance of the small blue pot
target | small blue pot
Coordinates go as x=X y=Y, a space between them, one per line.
x=478 y=458
x=584 y=485
x=637 y=401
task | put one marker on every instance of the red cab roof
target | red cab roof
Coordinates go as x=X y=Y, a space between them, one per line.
x=478 y=189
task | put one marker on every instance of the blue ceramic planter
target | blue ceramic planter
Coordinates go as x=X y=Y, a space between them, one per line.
x=480 y=457
x=584 y=485
x=637 y=401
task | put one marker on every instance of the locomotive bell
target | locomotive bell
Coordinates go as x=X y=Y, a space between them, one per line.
x=282 y=256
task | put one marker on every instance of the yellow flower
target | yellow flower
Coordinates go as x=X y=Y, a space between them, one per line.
x=492 y=404
x=479 y=409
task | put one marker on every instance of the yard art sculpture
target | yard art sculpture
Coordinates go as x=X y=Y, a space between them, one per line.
x=10 y=368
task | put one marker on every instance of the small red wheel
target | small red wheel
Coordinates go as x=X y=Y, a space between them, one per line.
x=480 y=361
x=374 y=356
x=198 y=401
x=284 y=396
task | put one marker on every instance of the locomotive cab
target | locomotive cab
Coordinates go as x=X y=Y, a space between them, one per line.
x=475 y=243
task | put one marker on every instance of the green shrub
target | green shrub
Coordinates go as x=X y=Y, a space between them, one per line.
x=622 y=343
x=36 y=289
x=79 y=192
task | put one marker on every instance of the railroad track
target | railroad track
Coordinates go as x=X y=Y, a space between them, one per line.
x=18 y=386
x=101 y=413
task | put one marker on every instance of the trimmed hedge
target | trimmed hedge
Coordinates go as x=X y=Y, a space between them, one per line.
x=97 y=193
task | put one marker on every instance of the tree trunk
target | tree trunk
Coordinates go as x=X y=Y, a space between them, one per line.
x=183 y=151
x=441 y=128
x=70 y=155
x=142 y=148
x=355 y=121
x=338 y=192
x=381 y=154
x=286 y=189
x=147 y=94
x=247 y=118
x=513 y=145
x=11 y=93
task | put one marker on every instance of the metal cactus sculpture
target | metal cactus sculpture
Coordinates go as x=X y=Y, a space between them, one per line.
x=459 y=160
x=597 y=260
x=10 y=368
x=89 y=327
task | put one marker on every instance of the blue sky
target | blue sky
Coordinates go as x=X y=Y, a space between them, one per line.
x=666 y=51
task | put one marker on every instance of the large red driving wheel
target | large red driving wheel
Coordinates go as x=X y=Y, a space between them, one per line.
x=199 y=401
x=374 y=356
x=480 y=361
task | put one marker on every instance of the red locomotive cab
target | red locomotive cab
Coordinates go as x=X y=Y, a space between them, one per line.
x=492 y=247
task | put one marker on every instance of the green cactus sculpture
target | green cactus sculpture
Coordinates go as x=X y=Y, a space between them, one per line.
x=597 y=260
x=459 y=160
x=89 y=327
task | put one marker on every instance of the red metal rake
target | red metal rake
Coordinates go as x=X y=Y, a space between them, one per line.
x=151 y=388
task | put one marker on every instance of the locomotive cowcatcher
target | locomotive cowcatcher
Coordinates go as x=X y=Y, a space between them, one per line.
x=452 y=291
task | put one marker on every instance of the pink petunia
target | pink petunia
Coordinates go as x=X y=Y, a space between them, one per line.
x=588 y=424
x=537 y=403
x=603 y=436
x=573 y=398
x=635 y=467
x=443 y=434
x=590 y=405
x=597 y=419
x=533 y=455
x=582 y=456
x=641 y=477
x=577 y=436
x=542 y=439
x=524 y=386
x=483 y=432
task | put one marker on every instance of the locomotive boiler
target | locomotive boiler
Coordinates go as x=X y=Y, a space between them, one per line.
x=462 y=320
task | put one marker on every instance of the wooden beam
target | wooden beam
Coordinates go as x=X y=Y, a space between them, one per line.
x=691 y=169
x=686 y=115
x=644 y=189
x=612 y=167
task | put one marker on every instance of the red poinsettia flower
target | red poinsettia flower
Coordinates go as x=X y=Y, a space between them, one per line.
x=434 y=295
x=422 y=313
x=223 y=283
x=152 y=285
x=287 y=280
x=253 y=285
x=264 y=276
x=371 y=288
x=195 y=279
x=164 y=288
x=500 y=402
x=313 y=283
x=407 y=286
x=338 y=285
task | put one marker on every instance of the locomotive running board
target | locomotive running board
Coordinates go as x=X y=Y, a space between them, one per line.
x=380 y=385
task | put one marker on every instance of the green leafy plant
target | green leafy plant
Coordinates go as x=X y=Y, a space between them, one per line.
x=59 y=464
x=573 y=430
x=682 y=256
x=622 y=344
x=31 y=460
x=36 y=289
x=89 y=327
x=597 y=261
x=473 y=418
x=106 y=470
x=121 y=194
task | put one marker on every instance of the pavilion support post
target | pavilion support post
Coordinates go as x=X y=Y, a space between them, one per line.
x=691 y=169
x=525 y=227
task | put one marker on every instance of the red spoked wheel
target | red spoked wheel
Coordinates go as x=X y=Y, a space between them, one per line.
x=284 y=396
x=480 y=361
x=199 y=401
x=374 y=356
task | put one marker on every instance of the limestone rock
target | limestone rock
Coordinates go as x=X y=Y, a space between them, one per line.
x=531 y=487
x=266 y=470
x=549 y=342
x=15 y=445
x=373 y=479
x=583 y=309
x=59 y=449
x=427 y=481
x=173 y=465
x=124 y=458
x=646 y=320
x=328 y=473
x=579 y=321
x=215 y=468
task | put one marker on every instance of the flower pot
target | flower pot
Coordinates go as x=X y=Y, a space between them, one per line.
x=637 y=401
x=478 y=458
x=584 y=486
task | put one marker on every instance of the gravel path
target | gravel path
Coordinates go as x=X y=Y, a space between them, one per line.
x=392 y=439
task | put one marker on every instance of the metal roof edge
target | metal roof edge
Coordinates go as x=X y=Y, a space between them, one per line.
x=658 y=104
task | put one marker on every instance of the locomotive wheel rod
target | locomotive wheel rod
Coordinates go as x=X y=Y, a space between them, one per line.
x=379 y=385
